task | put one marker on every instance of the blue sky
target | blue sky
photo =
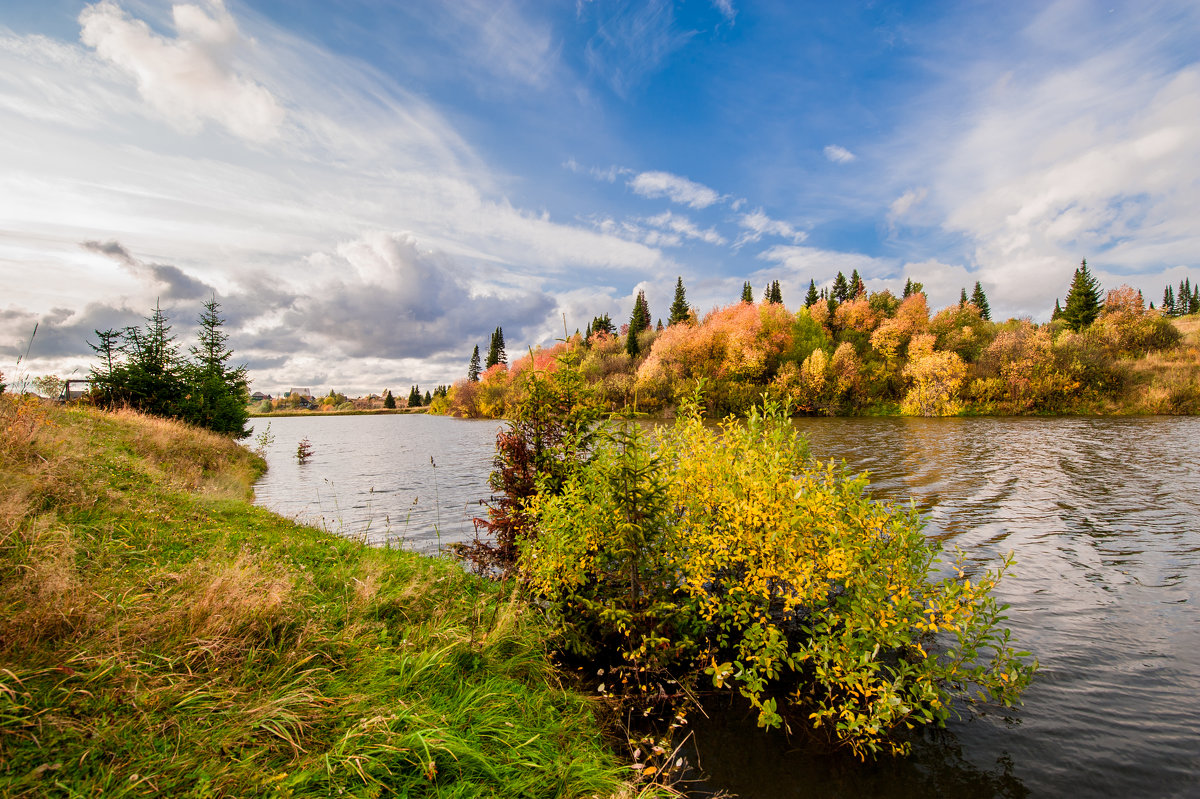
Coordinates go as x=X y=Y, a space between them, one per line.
x=371 y=187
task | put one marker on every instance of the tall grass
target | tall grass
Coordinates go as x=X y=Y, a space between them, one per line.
x=159 y=635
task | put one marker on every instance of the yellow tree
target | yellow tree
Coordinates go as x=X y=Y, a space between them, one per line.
x=935 y=378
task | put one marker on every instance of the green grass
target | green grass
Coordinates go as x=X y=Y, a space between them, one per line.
x=161 y=636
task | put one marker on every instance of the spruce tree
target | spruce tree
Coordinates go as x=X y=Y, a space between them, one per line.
x=841 y=289
x=747 y=292
x=1083 y=299
x=679 y=308
x=811 y=298
x=774 y=293
x=428 y=398
x=857 y=287
x=1057 y=312
x=389 y=401
x=1168 y=302
x=217 y=392
x=979 y=300
x=908 y=289
x=1195 y=301
x=639 y=320
x=496 y=353
x=473 y=367
x=414 y=397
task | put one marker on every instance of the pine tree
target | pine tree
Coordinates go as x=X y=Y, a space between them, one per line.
x=962 y=298
x=774 y=293
x=473 y=367
x=496 y=353
x=979 y=300
x=428 y=398
x=841 y=289
x=1083 y=299
x=1057 y=312
x=414 y=397
x=389 y=401
x=679 y=308
x=908 y=289
x=1168 y=302
x=747 y=292
x=217 y=392
x=811 y=298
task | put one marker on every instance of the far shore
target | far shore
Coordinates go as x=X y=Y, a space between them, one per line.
x=355 y=412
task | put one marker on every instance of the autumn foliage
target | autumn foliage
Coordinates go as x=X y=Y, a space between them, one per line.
x=872 y=353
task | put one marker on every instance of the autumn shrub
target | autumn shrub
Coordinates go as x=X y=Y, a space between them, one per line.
x=935 y=379
x=728 y=552
x=1023 y=374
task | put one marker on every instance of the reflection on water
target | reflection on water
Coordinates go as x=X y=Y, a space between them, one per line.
x=405 y=480
x=1104 y=518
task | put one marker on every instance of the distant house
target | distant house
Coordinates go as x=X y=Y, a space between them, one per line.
x=306 y=397
x=258 y=396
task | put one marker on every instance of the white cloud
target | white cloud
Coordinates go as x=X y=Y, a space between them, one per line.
x=188 y=79
x=838 y=154
x=905 y=203
x=680 y=224
x=677 y=189
x=757 y=224
x=726 y=8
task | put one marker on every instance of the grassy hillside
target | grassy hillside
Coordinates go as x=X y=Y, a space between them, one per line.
x=160 y=636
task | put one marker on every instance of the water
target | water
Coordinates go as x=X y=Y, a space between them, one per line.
x=1104 y=518
x=403 y=480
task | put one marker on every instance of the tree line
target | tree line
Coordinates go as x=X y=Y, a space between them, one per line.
x=146 y=369
x=849 y=350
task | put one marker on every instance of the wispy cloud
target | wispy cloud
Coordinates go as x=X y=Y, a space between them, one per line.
x=673 y=187
x=838 y=154
x=685 y=227
x=757 y=224
x=631 y=40
x=188 y=79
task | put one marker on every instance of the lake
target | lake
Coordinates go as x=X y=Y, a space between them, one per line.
x=1104 y=518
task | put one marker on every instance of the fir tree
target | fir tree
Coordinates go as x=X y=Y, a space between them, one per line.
x=962 y=298
x=857 y=288
x=774 y=293
x=473 y=367
x=1168 y=301
x=1057 y=312
x=841 y=289
x=1083 y=299
x=747 y=292
x=908 y=289
x=1195 y=301
x=679 y=308
x=217 y=392
x=414 y=397
x=639 y=320
x=979 y=300
x=428 y=398
x=810 y=299
x=496 y=353
x=389 y=401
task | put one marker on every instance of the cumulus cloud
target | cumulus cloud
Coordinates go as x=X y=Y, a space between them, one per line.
x=179 y=284
x=838 y=154
x=389 y=298
x=190 y=78
x=673 y=187
x=757 y=224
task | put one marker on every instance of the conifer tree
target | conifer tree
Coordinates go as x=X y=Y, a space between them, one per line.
x=775 y=295
x=389 y=401
x=908 y=289
x=1168 y=301
x=747 y=292
x=1057 y=312
x=856 y=288
x=841 y=289
x=1083 y=299
x=414 y=397
x=659 y=328
x=810 y=299
x=679 y=308
x=1195 y=301
x=496 y=353
x=962 y=298
x=217 y=392
x=428 y=397
x=639 y=320
x=979 y=300
x=473 y=368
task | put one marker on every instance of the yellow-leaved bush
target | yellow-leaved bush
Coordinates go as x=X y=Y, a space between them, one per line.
x=729 y=552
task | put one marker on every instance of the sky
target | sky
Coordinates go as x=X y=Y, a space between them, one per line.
x=369 y=188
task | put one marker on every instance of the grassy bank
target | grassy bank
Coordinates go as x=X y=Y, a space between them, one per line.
x=161 y=636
